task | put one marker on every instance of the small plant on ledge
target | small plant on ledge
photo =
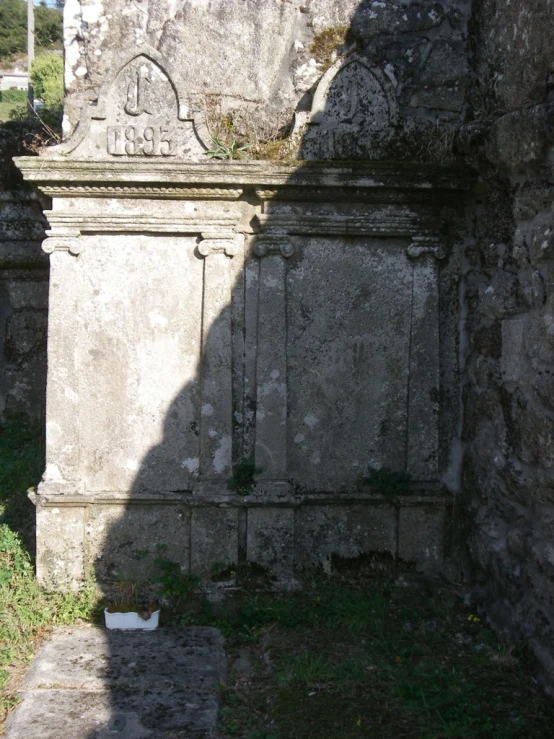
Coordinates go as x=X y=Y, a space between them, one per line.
x=389 y=482
x=223 y=150
x=242 y=478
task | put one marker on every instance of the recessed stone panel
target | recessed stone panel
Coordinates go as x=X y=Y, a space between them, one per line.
x=347 y=531
x=349 y=316
x=214 y=538
x=270 y=540
x=138 y=349
x=422 y=531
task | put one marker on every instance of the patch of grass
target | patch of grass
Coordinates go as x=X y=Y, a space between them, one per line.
x=381 y=659
x=6 y=109
x=27 y=612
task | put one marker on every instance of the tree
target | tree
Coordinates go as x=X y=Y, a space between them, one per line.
x=47 y=80
x=13 y=27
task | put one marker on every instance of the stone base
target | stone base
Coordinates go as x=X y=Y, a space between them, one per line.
x=284 y=535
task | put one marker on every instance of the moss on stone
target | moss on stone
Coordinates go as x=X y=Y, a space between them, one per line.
x=326 y=43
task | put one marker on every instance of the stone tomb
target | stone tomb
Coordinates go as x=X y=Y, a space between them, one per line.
x=203 y=312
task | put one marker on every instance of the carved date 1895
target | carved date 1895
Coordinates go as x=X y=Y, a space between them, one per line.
x=150 y=141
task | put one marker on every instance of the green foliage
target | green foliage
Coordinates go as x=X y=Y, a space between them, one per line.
x=389 y=482
x=27 y=611
x=13 y=28
x=21 y=466
x=13 y=96
x=223 y=150
x=174 y=583
x=242 y=478
x=47 y=80
x=374 y=659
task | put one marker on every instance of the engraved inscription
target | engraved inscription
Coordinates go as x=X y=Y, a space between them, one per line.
x=137 y=93
x=150 y=141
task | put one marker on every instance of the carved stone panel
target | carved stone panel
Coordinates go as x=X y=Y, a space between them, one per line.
x=353 y=113
x=139 y=114
x=137 y=340
x=349 y=317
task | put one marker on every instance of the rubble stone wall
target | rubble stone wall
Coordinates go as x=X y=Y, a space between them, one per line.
x=508 y=434
x=23 y=286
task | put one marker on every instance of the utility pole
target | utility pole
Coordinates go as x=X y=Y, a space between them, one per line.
x=30 y=53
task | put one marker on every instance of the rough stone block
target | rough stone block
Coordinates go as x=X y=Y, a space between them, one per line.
x=343 y=530
x=122 y=540
x=60 y=546
x=214 y=538
x=93 y=658
x=270 y=540
x=421 y=534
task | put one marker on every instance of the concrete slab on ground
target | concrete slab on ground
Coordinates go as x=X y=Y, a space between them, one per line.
x=90 y=683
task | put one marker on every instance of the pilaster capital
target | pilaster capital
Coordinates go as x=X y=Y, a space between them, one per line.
x=227 y=244
x=273 y=243
x=63 y=240
x=423 y=246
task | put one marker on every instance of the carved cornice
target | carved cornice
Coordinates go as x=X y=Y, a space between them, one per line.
x=64 y=172
x=142 y=191
x=138 y=223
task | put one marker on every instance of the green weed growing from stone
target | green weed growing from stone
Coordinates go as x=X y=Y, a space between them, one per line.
x=223 y=150
x=389 y=482
x=242 y=479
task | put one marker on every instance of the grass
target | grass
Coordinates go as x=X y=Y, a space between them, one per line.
x=383 y=659
x=6 y=109
x=359 y=655
x=27 y=612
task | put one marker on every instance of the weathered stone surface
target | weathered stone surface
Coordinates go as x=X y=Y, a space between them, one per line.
x=56 y=714
x=60 y=546
x=508 y=415
x=421 y=535
x=97 y=659
x=122 y=541
x=214 y=538
x=92 y=682
x=444 y=79
x=343 y=531
x=270 y=540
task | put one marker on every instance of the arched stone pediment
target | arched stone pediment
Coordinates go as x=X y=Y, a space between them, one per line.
x=140 y=112
x=354 y=112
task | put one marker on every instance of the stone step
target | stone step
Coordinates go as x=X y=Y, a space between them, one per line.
x=90 y=682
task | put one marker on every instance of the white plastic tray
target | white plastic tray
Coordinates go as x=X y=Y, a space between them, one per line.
x=131 y=621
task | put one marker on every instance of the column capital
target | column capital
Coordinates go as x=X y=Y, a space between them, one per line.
x=273 y=243
x=63 y=240
x=218 y=243
x=423 y=246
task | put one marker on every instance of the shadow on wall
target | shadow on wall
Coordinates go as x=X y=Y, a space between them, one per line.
x=297 y=369
x=304 y=365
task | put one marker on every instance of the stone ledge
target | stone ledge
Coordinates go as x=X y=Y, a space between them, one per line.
x=51 y=169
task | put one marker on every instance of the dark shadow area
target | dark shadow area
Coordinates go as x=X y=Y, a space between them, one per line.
x=172 y=529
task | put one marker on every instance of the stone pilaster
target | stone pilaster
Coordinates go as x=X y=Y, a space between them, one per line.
x=424 y=367
x=216 y=404
x=271 y=367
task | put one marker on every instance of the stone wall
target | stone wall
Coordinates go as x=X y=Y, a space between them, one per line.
x=256 y=63
x=23 y=285
x=508 y=433
x=204 y=313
